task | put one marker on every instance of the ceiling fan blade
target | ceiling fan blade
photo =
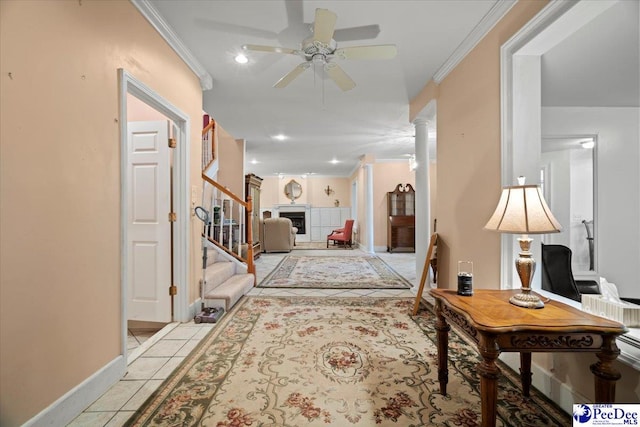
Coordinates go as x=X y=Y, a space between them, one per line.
x=324 y=25
x=273 y=49
x=385 y=51
x=288 y=78
x=356 y=33
x=295 y=12
x=241 y=30
x=340 y=78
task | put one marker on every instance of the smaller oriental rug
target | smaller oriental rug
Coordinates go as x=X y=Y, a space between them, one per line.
x=334 y=272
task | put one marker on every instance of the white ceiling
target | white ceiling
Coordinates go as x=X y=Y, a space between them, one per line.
x=322 y=122
x=598 y=66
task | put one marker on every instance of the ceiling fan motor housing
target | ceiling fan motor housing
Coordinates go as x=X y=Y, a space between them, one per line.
x=321 y=49
x=316 y=51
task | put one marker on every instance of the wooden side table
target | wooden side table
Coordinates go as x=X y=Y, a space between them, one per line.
x=495 y=325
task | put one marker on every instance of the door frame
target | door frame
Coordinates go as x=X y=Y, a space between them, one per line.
x=520 y=104
x=128 y=84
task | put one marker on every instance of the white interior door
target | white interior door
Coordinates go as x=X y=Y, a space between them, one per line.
x=149 y=232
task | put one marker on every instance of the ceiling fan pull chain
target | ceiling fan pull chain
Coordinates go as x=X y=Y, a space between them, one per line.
x=323 y=79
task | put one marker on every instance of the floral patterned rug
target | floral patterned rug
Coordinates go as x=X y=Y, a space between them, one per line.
x=303 y=361
x=307 y=246
x=334 y=272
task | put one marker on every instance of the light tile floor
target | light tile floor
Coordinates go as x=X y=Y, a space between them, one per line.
x=153 y=358
x=139 y=337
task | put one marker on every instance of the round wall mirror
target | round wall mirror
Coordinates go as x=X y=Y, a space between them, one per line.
x=293 y=190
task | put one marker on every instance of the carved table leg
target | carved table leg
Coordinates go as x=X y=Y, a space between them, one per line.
x=605 y=375
x=525 y=372
x=442 y=328
x=489 y=374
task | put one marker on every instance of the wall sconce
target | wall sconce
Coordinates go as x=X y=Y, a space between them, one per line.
x=328 y=190
x=412 y=163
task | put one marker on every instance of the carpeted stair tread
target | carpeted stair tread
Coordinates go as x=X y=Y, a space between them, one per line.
x=212 y=256
x=218 y=273
x=232 y=289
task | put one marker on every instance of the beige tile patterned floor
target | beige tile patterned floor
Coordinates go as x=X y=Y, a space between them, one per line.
x=153 y=358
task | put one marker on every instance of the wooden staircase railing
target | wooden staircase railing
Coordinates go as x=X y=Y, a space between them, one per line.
x=228 y=225
x=208 y=142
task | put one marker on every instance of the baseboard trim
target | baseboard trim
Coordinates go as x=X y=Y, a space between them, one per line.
x=195 y=308
x=69 y=406
x=557 y=391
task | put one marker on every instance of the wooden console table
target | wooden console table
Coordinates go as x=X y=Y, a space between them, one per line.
x=496 y=326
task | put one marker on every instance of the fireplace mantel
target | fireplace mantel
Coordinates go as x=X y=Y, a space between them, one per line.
x=297 y=207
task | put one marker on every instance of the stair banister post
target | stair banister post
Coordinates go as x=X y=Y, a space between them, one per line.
x=250 y=266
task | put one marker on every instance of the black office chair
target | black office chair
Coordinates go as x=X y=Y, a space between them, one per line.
x=557 y=276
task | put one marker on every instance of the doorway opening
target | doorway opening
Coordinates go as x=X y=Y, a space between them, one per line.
x=166 y=171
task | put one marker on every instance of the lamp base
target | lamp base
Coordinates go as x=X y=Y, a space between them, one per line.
x=526 y=301
x=526 y=266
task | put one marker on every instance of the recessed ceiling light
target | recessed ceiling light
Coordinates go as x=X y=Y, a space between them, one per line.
x=588 y=144
x=241 y=59
x=254 y=162
x=334 y=161
x=279 y=137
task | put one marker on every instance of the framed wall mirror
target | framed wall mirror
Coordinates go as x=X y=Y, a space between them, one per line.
x=293 y=190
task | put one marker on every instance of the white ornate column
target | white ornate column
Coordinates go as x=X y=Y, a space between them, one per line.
x=368 y=169
x=423 y=214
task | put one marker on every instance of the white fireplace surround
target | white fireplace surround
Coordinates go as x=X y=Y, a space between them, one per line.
x=296 y=207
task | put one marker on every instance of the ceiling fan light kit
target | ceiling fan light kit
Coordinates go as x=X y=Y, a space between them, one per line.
x=321 y=49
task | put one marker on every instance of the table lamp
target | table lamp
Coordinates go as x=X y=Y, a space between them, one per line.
x=523 y=210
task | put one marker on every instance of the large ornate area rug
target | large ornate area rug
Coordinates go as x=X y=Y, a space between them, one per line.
x=306 y=246
x=332 y=361
x=334 y=272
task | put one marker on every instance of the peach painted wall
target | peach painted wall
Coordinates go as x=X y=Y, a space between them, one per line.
x=272 y=191
x=468 y=174
x=429 y=92
x=60 y=318
x=469 y=152
x=231 y=171
x=386 y=176
x=138 y=111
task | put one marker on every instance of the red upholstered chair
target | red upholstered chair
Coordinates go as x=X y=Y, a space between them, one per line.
x=342 y=235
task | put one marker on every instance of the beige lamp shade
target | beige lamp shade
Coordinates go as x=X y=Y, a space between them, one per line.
x=523 y=210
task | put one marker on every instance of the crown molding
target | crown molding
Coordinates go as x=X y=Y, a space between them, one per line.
x=162 y=27
x=495 y=14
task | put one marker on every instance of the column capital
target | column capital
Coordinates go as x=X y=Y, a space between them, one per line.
x=419 y=121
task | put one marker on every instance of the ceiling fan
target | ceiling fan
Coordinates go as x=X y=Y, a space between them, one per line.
x=322 y=49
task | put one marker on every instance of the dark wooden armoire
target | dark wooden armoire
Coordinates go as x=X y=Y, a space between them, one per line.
x=401 y=211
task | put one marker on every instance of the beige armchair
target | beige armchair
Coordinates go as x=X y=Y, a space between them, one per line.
x=278 y=235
